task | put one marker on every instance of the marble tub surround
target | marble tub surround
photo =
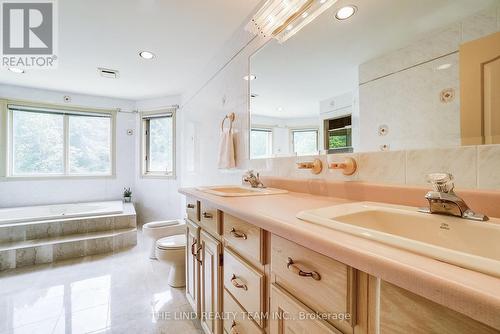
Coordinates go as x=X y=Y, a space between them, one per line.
x=29 y=243
x=474 y=167
x=465 y=291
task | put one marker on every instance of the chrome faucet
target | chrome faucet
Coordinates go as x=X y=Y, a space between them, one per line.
x=254 y=179
x=443 y=200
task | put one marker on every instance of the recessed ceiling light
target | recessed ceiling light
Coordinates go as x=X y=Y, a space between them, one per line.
x=146 y=54
x=16 y=70
x=346 y=12
x=444 y=66
x=249 y=77
x=280 y=109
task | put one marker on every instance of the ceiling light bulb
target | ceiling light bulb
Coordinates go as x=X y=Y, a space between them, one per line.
x=16 y=70
x=250 y=77
x=305 y=14
x=146 y=54
x=346 y=12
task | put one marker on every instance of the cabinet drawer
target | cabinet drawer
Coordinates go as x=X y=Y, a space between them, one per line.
x=245 y=238
x=193 y=209
x=245 y=283
x=291 y=316
x=324 y=284
x=237 y=322
x=209 y=218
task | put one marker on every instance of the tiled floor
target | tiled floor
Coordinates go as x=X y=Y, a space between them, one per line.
x=119 y=293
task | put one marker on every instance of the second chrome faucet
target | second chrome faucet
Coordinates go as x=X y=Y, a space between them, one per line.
x=443 y=200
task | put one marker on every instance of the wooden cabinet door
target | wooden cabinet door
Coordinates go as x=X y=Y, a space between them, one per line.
x=394 y=310
x=480 y=90
x=192 y=265
x=210 y=283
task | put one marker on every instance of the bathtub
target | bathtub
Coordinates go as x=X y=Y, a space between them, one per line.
x=58 y=211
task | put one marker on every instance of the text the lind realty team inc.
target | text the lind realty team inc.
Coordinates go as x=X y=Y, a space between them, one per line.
x=253 y=316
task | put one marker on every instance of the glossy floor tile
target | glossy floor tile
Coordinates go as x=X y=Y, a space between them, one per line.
x=123 y=292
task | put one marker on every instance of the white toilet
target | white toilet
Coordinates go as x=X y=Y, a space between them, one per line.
x=172 y=250
x=161 y=229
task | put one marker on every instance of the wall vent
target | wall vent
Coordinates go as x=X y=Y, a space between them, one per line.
x=108 y=73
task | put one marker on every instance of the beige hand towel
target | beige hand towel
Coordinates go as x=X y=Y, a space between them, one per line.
x=227 y=150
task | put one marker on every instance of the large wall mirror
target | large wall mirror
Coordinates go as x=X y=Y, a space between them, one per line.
x=390 y=77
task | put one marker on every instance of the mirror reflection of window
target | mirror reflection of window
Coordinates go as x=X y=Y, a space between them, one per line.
x=339 y=134
x=261 y=143
x=305 y=141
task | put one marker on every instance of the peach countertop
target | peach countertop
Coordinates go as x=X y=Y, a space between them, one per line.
x=474 y=294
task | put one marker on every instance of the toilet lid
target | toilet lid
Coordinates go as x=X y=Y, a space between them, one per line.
x=163 y=224
x=172 y=242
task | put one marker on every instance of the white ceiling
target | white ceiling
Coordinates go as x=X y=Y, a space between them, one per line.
x=184 y=35
x=322 y=60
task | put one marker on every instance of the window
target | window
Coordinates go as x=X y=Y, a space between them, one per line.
x=339 y=134
x=261 y=143
x=305 y=141
x=158 y=130
x=57 y=142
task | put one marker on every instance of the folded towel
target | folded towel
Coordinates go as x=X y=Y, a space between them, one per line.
x=227 y=150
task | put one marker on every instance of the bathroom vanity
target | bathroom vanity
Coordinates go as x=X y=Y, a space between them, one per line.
x=253 y=267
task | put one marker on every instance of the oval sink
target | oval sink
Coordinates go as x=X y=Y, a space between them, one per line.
x=240 y=191
x=468 y=244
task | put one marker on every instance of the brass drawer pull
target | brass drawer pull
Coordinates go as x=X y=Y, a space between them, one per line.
x=295 y=269
x=239 y=235
x=238 y=285
x=198 y=254
x=193 y=251
x=190 y=206
x=233 y=328
x=208 y=215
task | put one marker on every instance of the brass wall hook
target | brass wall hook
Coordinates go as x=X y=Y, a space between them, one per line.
x=316 y=166
x=349 y=166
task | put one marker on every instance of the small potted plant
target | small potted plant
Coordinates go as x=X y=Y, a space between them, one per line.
x=127 y=195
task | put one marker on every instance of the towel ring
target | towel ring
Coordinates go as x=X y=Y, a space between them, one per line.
x=231 y=118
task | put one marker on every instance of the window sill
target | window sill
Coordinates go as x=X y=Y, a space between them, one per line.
x=56 y=177
x=158 y=176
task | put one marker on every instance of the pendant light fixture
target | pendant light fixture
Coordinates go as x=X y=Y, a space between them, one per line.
x=281 y=19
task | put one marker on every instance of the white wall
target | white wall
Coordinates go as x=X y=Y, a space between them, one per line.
x=204 y=106
x=34 y=192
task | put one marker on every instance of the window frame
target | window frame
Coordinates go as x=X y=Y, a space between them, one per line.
x=347 y=125
x=6 y=127
x=144 y=117
x=305 y=129
x=262 y=129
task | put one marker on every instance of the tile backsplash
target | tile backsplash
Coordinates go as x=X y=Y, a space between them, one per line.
x=474 y=167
